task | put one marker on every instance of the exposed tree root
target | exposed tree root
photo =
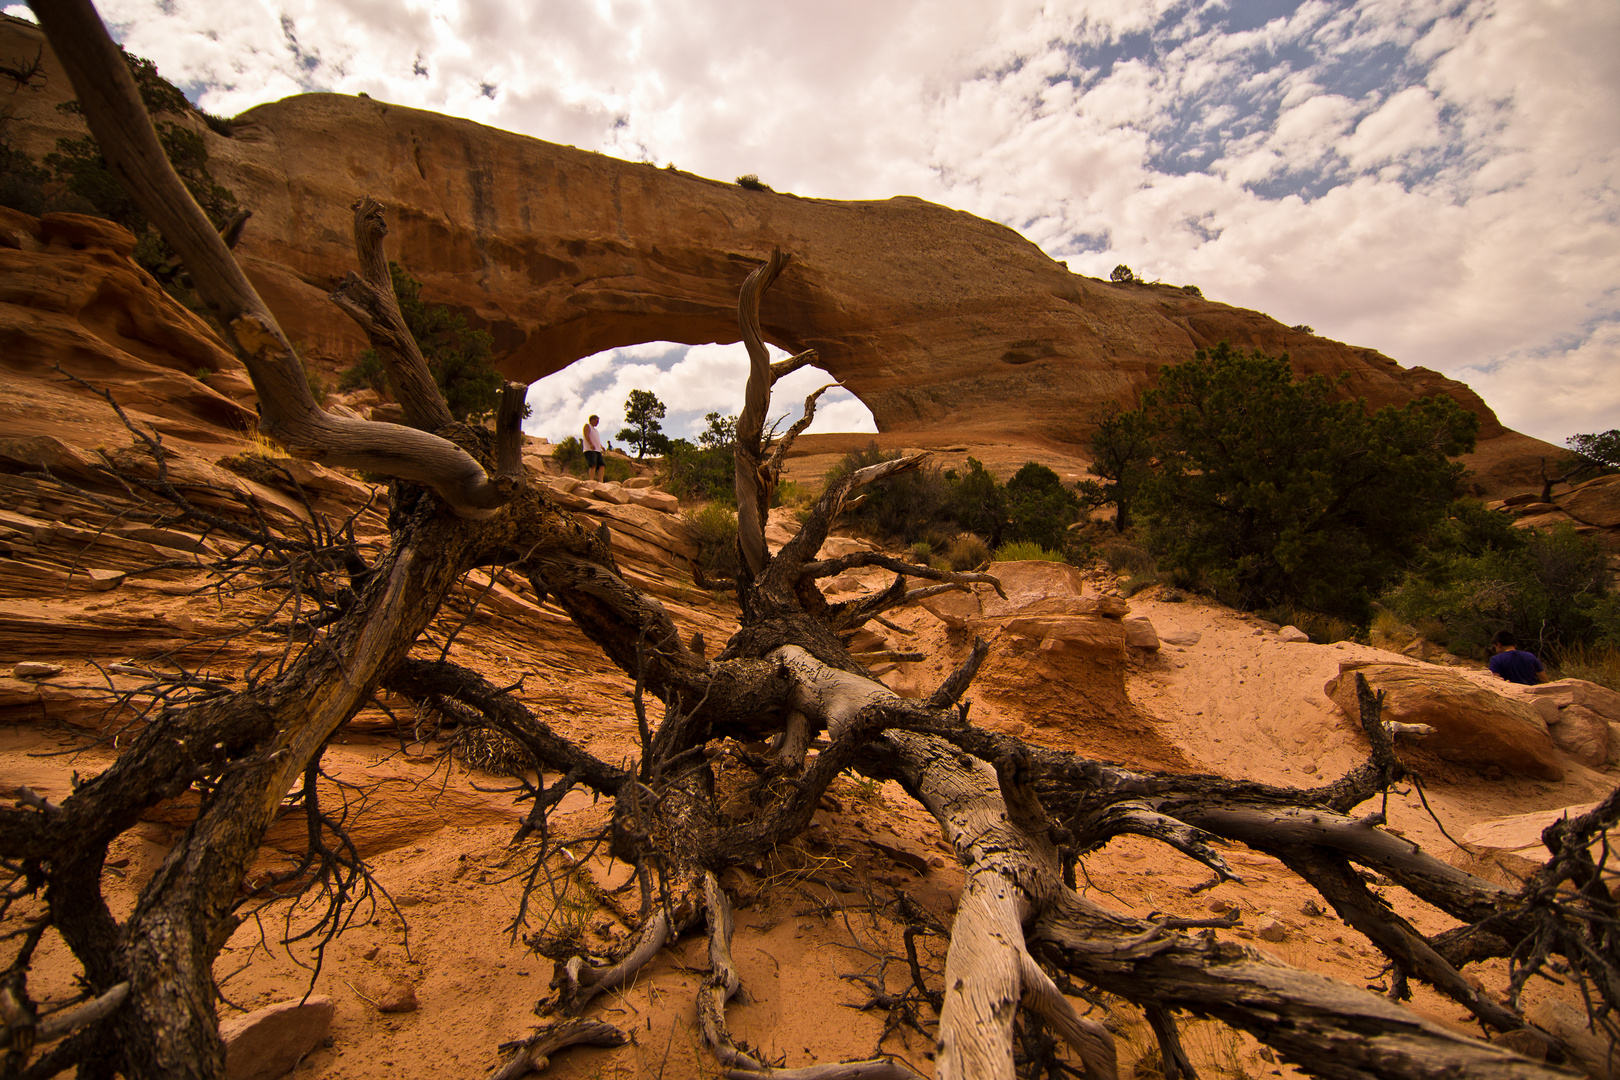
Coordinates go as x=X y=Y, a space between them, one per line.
x=534 y=1053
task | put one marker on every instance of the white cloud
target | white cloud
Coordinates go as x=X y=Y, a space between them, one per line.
x=1438 y=179
x=691 y=381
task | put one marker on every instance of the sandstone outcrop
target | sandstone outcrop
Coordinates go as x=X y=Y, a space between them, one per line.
x=931 y=316
x=267 y=1043
x=1507 y=850
x=1581 y=716
x=1472 y=725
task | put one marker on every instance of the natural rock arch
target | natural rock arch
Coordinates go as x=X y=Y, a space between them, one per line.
x=932 y=317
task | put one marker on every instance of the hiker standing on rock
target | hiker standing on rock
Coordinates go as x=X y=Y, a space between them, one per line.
x=1513 y=663
x=593 y=449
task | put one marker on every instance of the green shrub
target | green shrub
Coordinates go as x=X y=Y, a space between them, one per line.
x=921 y=552
x=1025 y=551
x=1599 y=664
x=790 y=493
x=904 y=506
x=700 y=474
x=1270 y=491
x=1039 y=507
x=461 y=359
x=967 y=552
x=752 y=182
x=1549 y=588
x=713 y=529
x=1122 y=274
x=570 y=455
x=368 y=373
x=80 y=168
x=977 y=502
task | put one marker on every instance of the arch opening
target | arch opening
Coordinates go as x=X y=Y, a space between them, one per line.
x=691 y=381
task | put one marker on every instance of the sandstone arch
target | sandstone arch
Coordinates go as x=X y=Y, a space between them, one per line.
x=932 y=317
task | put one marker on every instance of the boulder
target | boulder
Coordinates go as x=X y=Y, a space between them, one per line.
x=1293 y=634
x=661 y=501
x=1578 y=715
x=34 y=669
x=1184 y=638
x=267 y=1043
x=603 y=491
x=1596 y=502
x=1472 y=724
x=1583 y=735
x=1139 y=633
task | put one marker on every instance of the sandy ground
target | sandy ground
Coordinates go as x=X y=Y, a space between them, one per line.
x=816 y=929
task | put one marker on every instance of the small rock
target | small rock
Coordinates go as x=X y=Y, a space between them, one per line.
x=34 y=669
x=1180 y=637
x=1293 y=634
x=103 y=580
x=1523 y=1042
x=1271 y=928
x=399 y=997
x=267 y=1043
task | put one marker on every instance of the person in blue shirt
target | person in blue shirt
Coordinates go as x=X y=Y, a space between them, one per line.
x=1513 y=663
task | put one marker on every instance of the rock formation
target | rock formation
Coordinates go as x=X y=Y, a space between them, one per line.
x=930 y=316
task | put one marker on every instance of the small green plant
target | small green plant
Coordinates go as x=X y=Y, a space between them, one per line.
x=1193 y=289
x=752 y=182
x=1303 y=328
x=1025 y=551
x=867 y=789
x=569 y=455
x=318 y=387
x=713 y=530
x=1122 y=275
x=921 y=552
x=204 y=372
x=967 y=552
x=368 y=373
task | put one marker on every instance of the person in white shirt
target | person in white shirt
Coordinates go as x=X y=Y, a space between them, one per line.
x=594 y=465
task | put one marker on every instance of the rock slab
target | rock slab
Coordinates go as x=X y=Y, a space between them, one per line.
x=1472 y=725
x=269 y=1042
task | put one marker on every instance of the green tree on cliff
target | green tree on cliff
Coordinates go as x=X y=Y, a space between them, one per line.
x=642 y=411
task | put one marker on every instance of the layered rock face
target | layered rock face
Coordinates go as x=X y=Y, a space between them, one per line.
x=933 y=317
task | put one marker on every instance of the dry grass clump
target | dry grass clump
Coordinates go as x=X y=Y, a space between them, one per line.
x=1599 y=664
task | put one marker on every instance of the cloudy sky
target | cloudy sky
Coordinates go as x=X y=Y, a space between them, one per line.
x=1437 y=179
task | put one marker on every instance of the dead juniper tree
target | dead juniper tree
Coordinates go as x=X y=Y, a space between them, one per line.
x=1017 y=815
